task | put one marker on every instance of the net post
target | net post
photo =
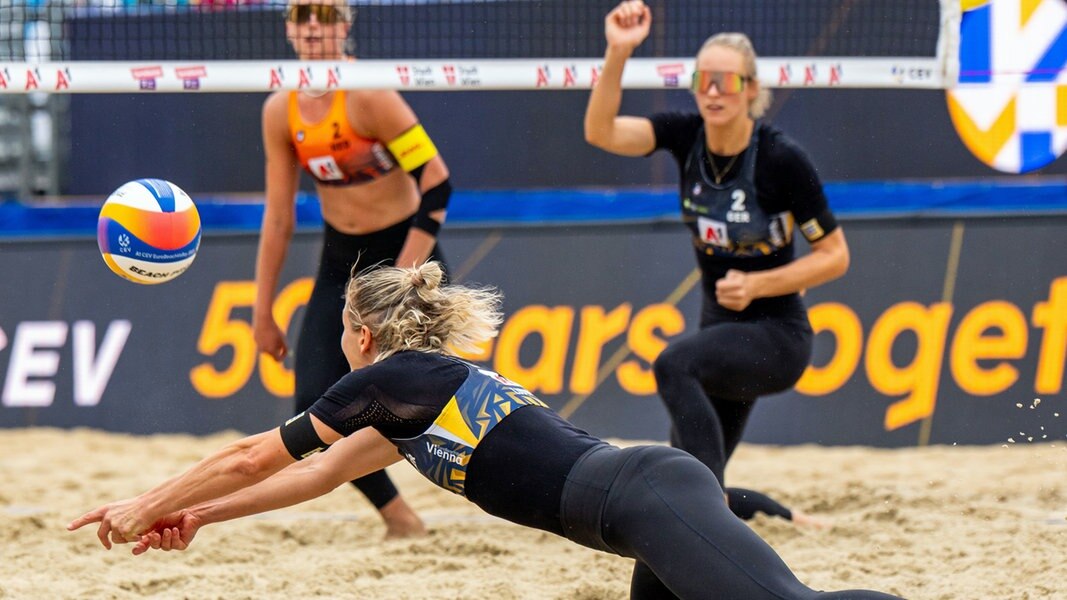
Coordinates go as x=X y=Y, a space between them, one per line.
x=948 y=43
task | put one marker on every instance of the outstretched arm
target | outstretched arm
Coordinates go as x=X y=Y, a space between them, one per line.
x=235 y=466
x=625 y=28
x=357 y=455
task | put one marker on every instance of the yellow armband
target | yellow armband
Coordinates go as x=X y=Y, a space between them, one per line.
x=812 y=230
x=413 y=148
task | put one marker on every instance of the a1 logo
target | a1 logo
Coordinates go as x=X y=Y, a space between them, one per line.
x=1010 y=106
x=325 y=168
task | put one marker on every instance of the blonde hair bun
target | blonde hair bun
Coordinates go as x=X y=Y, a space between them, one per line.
x=427 y=276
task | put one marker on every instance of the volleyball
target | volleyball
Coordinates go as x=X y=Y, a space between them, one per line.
x=148 y=231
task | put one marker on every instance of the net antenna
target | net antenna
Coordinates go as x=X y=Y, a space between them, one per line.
x=123 y=46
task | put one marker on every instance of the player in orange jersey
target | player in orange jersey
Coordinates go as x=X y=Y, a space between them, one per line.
x=383 y=191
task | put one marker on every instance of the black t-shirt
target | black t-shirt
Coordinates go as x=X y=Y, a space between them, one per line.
x=729 y=231
x=465 y=428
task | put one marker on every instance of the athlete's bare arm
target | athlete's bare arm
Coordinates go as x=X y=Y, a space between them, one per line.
x=279 y=218
x=625 y=28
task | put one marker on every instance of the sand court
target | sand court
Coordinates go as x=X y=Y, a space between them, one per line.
x=940 y=522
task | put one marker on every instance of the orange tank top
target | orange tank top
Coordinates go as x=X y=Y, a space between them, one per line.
x=331 y=151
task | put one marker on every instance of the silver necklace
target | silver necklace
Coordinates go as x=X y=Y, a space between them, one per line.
x=715 y=169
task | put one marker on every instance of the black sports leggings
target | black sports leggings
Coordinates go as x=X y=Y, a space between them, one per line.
x=319 y=361
x=709 y=381
x=665 y=509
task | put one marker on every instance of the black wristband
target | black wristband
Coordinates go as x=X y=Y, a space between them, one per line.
x=434 y=199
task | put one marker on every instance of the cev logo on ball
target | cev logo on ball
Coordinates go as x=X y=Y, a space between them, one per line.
x=1010 y=106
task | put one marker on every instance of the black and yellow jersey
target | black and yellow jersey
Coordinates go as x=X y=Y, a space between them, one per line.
x=465 y=428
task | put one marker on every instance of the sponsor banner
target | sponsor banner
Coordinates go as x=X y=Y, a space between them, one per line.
x=146 y=77
x=943 y=331
x=191 y=76
x=671 y=73
x=445 y=75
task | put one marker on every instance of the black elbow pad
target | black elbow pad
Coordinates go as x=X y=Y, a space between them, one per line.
x=300 y=437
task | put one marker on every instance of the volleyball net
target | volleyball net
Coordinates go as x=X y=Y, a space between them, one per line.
x=240 y=46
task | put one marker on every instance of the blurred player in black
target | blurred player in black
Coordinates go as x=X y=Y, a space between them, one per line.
x=744 y=187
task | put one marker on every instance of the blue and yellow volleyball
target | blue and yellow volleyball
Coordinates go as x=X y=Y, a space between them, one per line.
x=148 y=231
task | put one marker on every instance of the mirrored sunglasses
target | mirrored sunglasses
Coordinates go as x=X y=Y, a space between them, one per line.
x=727 y=82
x=327 y=14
